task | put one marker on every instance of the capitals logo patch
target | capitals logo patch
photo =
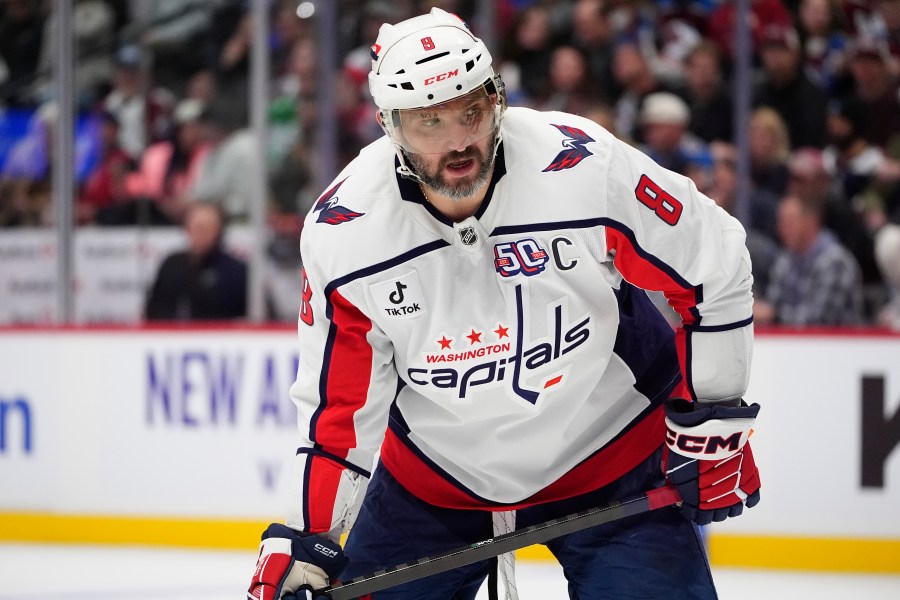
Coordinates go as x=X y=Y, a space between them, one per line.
x=330 y=211
x=574 y=149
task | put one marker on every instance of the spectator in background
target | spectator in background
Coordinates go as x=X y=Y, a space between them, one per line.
x=528 y=54
x=763 y=203
x=592 y=34
x=786 y=88
x=143 y=110
x=664 y=119
x=815 y=280
x=174 y=32
x=810 y=178
x=226 y=172
x=21 y=35
x=167 y=172
x=823 y=43
x=769 y=148
x=760 y=226
x=850 y=157
x=571 y=88
x=877 y=88
x=712 y=116
x=888 y=12
x=637 y=80
x=763 y=12
x=104 y=190
x=229 y=40
x=203 y=282
x=93 y=26
x=887 y=253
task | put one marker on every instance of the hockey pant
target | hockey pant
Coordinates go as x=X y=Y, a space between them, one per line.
x=652 y=555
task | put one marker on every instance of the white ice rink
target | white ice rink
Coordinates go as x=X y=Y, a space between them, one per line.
x=75 y=572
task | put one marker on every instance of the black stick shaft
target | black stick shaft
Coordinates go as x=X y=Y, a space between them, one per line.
x=483 y=550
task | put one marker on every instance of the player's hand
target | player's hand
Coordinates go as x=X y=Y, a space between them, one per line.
x=289 y=562
x=709 y=460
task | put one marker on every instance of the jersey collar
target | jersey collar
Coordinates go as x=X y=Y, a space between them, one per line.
x=411 y=192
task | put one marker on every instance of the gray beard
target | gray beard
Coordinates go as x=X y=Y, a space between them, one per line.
x=461 y=189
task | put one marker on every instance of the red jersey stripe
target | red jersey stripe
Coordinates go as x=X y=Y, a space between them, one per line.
x=601 y=469
x=324 y=478
x=637 y=268
x=348 y=375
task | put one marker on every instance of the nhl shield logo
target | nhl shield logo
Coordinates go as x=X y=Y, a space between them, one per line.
x=468 y=236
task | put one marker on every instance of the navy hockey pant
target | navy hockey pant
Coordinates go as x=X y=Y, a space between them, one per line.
x=655 y=555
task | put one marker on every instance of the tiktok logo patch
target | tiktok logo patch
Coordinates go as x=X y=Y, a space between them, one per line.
x=400 y=297
x=521 y=256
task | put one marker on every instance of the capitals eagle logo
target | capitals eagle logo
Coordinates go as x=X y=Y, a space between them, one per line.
x=574 y=148
x=330 y=211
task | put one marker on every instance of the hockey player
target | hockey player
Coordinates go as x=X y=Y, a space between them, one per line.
x=474 y=308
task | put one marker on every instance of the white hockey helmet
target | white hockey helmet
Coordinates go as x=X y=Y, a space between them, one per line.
x=427 y=61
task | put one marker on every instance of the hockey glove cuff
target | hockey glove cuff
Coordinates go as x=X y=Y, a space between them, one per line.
x=709 y=460
x=290 y=562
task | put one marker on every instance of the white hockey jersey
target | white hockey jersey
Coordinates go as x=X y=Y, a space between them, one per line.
x=512 y=358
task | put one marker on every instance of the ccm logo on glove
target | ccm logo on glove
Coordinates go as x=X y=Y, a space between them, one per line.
x=713 y=446
x=326 y=551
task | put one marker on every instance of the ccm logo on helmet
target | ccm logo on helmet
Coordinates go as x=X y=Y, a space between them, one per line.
x=703 y=444
x=442 y=77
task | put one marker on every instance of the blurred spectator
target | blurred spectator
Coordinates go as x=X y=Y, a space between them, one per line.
x=712 y=116
x=226 y=173
x=93 y=26
x=591 y=33
x=763 y=13
x=769 y=148
x=604 y=115
x=287 y=30
x=887 y=13
x=571 y=88
x=815 y=280
x=810 y=178
x=887 y=253
x=850 y=156
x=168 y=169
x=229 y=40
x=824 y=42
x=760 y=226
x=174 y=32
x=21 y=34
x=203 y=86
x=877 y=88
x=763 y=203
x=637 y=80
x=664 y=118
x=527 y=55
x=143 y=110
x=104 y=191
x=786 y=87
x=677 y=35
x=203 y=282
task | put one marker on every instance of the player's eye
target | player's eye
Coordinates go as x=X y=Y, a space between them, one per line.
x=426 y=120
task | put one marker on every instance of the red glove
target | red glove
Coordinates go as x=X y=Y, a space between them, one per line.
x=709 y=460
x=289 y=563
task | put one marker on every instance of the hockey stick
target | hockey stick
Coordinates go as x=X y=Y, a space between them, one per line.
x=485 y=549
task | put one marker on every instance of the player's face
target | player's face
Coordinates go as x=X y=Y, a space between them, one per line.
x=457 y=174
x=448 y=127
x=450 y=145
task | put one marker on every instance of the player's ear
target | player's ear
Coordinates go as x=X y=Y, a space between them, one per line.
x=378 y=117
